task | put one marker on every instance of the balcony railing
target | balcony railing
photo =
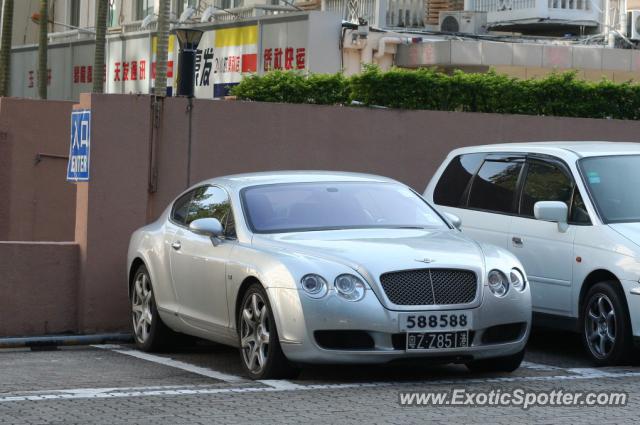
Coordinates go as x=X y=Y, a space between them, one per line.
x=380 y=13
x=578 y=12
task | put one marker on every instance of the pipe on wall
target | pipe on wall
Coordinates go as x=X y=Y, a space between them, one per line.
x=382 y=44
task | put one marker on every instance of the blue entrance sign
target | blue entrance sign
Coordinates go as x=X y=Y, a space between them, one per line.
x=78 y=167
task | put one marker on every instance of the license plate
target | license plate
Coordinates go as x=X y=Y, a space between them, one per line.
x=436 y=321
x=437 y=340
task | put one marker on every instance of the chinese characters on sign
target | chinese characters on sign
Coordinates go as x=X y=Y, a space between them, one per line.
x=204 y=62
x=82 y=74
x=207 y=63
x=31 y=78
x=78 y=166
x=279 y=58
x=137 y=70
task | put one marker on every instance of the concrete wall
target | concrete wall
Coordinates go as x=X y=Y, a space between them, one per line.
x=37 y=202
x=38 y=288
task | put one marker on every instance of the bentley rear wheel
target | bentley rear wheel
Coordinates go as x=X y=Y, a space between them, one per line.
x=260 y=351
x=149 y=332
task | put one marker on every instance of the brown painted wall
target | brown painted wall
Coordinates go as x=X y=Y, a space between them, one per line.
x=38 y=288
x=234 y=137
x=111 y=206
x=37 y=202
x=226 y=137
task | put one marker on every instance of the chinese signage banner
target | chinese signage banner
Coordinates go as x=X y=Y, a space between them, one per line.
x=284 y=46
x=223 y=57
x=305 y=43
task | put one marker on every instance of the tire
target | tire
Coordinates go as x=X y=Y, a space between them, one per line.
x=606 y=328
x=260 y=351
x=497 y=364
x=149 y=332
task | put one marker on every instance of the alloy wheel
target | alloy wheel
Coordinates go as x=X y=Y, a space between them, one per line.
x=254 y=333
x=141 y=311
x=600 y=326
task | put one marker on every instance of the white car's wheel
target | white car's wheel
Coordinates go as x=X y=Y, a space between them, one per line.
x=606 y=327
x=260 y=351
x=149 y=332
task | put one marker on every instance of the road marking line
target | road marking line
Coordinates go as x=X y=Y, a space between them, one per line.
x=210 y=373
x=590 y=372
x=281 y=386
x=540 y=366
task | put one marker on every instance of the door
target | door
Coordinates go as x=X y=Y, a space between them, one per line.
x=491 y=200
x=546 y=252
x=198 y=267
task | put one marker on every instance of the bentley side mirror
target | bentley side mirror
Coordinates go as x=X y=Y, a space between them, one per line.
x=554 y=211
x=208 y=227
x=454 y=219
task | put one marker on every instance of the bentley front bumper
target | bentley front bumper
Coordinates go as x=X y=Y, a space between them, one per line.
x=332 y=330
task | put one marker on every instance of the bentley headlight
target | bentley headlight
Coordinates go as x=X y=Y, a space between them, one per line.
x=498 y=283
x=314 y=285
x=350 y=287
x=517 y=279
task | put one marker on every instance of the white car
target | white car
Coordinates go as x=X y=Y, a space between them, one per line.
x=324 y=267
x=570 y=211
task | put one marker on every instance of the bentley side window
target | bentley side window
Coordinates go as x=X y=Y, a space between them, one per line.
x=211 y=202
x=180 y=208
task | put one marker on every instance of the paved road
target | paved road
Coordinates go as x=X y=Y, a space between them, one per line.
x=205 y=384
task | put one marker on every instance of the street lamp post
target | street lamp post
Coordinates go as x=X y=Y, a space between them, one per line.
x=188 y=39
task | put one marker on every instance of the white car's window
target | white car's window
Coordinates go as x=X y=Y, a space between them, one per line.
x=544 y=182
x=494 y=186
x=613 y=183
x=335 y=205
x=453 y=183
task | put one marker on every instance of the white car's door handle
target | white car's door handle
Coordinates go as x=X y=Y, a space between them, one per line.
x=176 y=245
x=517 y=241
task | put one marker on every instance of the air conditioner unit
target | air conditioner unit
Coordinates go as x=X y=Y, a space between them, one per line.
x=463 y=22
x=633 y=24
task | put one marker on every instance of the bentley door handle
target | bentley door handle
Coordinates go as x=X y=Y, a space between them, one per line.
x=517 y=241
x=176 y=245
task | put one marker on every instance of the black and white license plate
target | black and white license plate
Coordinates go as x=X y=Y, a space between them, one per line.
x=452 y=320
x=437 y=340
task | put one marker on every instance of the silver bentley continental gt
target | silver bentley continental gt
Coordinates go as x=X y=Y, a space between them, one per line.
x=325 y=267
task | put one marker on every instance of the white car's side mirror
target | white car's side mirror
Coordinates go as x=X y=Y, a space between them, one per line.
x=208 y=227
x=454 y=219
x=554 y=211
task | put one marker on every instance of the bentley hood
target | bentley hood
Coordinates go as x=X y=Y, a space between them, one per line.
x=373 y=252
